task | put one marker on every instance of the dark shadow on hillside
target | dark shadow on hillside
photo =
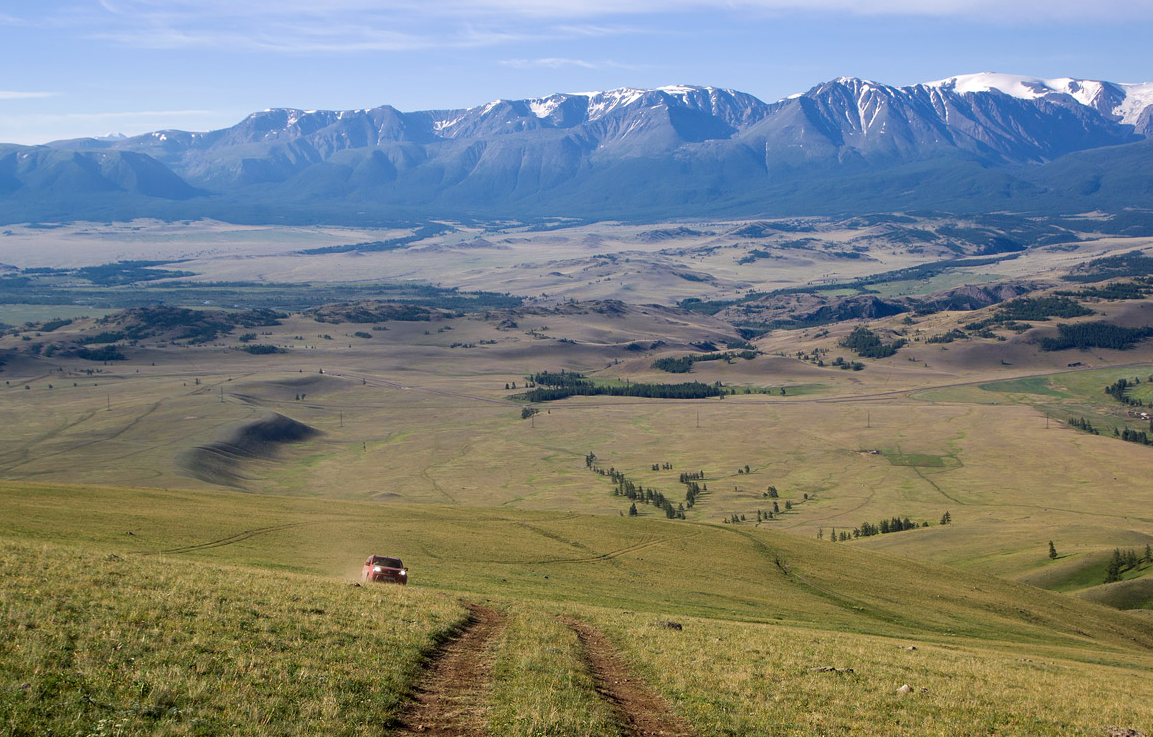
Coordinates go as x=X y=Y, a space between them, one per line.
x=223 y=461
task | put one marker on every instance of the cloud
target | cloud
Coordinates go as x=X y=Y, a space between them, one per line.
x=122 y=115
x=558 y=63
x=36 y=128
x=10 y=95
x=992 y=10
x=351 y=26
x=551 y=63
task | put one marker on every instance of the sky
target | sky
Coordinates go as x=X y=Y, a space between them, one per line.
x=93 y=67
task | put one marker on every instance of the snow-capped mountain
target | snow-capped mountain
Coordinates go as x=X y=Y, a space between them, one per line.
x=640 y=148
x=1124 y=103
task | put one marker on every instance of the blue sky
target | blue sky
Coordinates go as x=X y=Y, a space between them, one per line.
x=89 y=67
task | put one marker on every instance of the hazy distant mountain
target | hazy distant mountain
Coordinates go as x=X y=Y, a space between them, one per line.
x=972 y=141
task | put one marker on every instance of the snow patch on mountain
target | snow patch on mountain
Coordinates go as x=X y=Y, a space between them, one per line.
x=1123 y=101
x=603 y=103
x=543 y=108
x=1138 y=97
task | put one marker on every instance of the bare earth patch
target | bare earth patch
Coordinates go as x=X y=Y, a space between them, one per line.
x=450 y=699
x=641 y=712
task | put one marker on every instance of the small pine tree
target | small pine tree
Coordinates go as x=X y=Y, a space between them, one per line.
x=1148 y=554
x=633 y=509
x=946 y=518
x=1113 y=572
x=1052 y=550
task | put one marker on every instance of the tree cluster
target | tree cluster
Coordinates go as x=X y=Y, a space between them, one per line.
x=103 y=353
x=261 y=349
x=868 y=344
x=684 y=364
x=1095 y=335
x=1125 y=560
x=1083 y=424
x=1040 y=309
x=884 y=527
x=1133 y=263
x=847 y=365
x=582 y=387
x=623 y=486
x=1122 y=290
x=948 y=337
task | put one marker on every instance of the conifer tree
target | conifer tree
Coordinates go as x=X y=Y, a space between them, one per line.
x=1052 y=550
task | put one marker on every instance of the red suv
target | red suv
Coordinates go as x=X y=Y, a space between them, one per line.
x=379 y=568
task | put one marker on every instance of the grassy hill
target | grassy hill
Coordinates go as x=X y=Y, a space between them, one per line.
x=180 y=612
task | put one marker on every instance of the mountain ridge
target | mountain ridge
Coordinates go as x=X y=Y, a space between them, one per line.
x=618 y=151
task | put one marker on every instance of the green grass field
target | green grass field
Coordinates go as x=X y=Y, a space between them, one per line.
x=176 y=562
x=230 y=612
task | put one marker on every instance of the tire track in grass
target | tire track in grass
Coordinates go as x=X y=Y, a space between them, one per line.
x=231 y=539
x=451 y=697
x=639 y=711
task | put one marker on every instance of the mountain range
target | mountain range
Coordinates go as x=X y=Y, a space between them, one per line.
x=974 y=142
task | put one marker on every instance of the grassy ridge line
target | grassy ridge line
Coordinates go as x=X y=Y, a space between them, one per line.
x=92 y=644
x=642 y=565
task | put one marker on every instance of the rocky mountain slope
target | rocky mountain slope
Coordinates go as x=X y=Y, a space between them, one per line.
x=848 y=144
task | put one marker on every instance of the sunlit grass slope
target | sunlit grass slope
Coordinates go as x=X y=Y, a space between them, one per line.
x=92 y=644
x=732 y=572
x=224 y=609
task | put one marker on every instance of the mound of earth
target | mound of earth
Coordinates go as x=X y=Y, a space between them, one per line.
x=373 y=311
x=222 y=462
x=813 y=309
x=968 y=298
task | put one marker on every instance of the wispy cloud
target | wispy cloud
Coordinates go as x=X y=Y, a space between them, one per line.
x=35 y=128
x=11 y=95
x=558 y=63
x=118 y=115
x=308 y=26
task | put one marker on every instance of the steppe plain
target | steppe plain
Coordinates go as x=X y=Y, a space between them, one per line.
x=176 y=563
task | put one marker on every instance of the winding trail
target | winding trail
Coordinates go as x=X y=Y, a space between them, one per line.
x=450 y=699
x=639 y=711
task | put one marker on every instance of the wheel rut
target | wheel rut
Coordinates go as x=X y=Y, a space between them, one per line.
x=639 y=711
x=451 y=697
x=231 y=539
